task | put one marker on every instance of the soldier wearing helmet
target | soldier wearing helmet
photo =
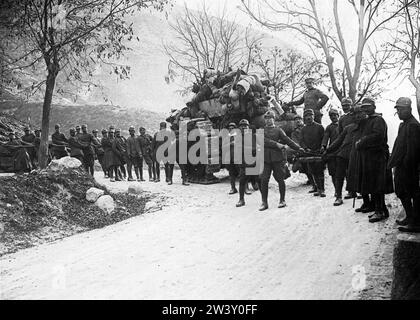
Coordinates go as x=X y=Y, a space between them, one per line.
x=275 y=159
x=371 y=177
x=405 y=158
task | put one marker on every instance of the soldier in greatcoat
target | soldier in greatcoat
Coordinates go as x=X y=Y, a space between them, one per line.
x=405 y=159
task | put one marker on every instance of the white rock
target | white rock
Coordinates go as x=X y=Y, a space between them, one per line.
x=93 y=194
x=135 y=189
x=151 y=206
x=64 y=163
x=105 y=203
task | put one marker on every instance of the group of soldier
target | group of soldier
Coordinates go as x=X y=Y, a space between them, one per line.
x=117 y=155
x=353 y=147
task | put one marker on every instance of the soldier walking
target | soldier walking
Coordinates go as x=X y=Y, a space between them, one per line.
x=146 y=147
x=405 y=158
x=275 y=159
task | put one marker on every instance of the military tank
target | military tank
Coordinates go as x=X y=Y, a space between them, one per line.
x=223 y=98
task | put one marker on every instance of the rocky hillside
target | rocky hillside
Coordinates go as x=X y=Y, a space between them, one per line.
x=95 y=116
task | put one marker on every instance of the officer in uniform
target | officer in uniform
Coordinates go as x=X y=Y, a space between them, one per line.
x=146 y=147
x=87 y=139
x=405 y=158
x=313 y=98
x=275 y=159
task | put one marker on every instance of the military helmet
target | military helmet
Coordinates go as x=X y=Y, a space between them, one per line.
x=403 y=102
x=346 y=101
x=368 y=102
x=308 y=112
x=333 y=111
x=232 y=124
x=269 y=114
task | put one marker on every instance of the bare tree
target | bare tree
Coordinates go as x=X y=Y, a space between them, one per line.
x=206 y=41
x=353 y=73
x=408 y=44
x=286 y=70
x=70 y=37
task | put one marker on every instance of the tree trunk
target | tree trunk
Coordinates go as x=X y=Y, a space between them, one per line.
x=46 y=108
x=418 y=100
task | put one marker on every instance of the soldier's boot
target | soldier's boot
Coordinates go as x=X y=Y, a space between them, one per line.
x=240 y=203
x=408 y=208
x=233 y=189
x=282 y=204
x=350 y=195
x=149 y=169
x=379 y=213
x=185 y=182
x=366 y=206
x=157 y=170
x=264 y=195
x=321 y=187
x=247 y=190
x=414 y=219
x=338 y=201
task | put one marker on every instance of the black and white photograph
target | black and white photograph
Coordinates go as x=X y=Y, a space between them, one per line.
x=209 y=154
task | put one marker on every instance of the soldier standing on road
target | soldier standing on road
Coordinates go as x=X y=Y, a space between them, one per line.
x=135 y=156
x=405 y=159
x=243 y=177
x=87 y=139
x=114 y=157
x=99 y=150
x=312 y=135
x=175 y=148
x=373 y=177
x=76 y=148
x=275 y=159
x=121 y=146
x=146 y=147
x=101 y=158
x=78 y=132
x=157 y=142
x=313 y=99
x=59 y=142
x=341 y=147
x=232 y=167
x=330 y=135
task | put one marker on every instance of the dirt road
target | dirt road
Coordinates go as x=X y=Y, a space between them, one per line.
x=199 y=246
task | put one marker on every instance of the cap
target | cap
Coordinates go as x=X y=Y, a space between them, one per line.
x=104 y=131
x=57 y=126
x=232 y=124
x=131 y=128
x=368 y=102
x=403 y=102
x=142 y=128
x=111 y=127
x=269 y=114
x=333 y=111
x=307 y=80
x=77 y=127
x=308 y=111
x=95 y=130
x=37 y=130
x=111 y=130
x=84 y=126
x=297 y=117
x=72 y=130
x=244 y=122
x=346 y=101
x=117 y=130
